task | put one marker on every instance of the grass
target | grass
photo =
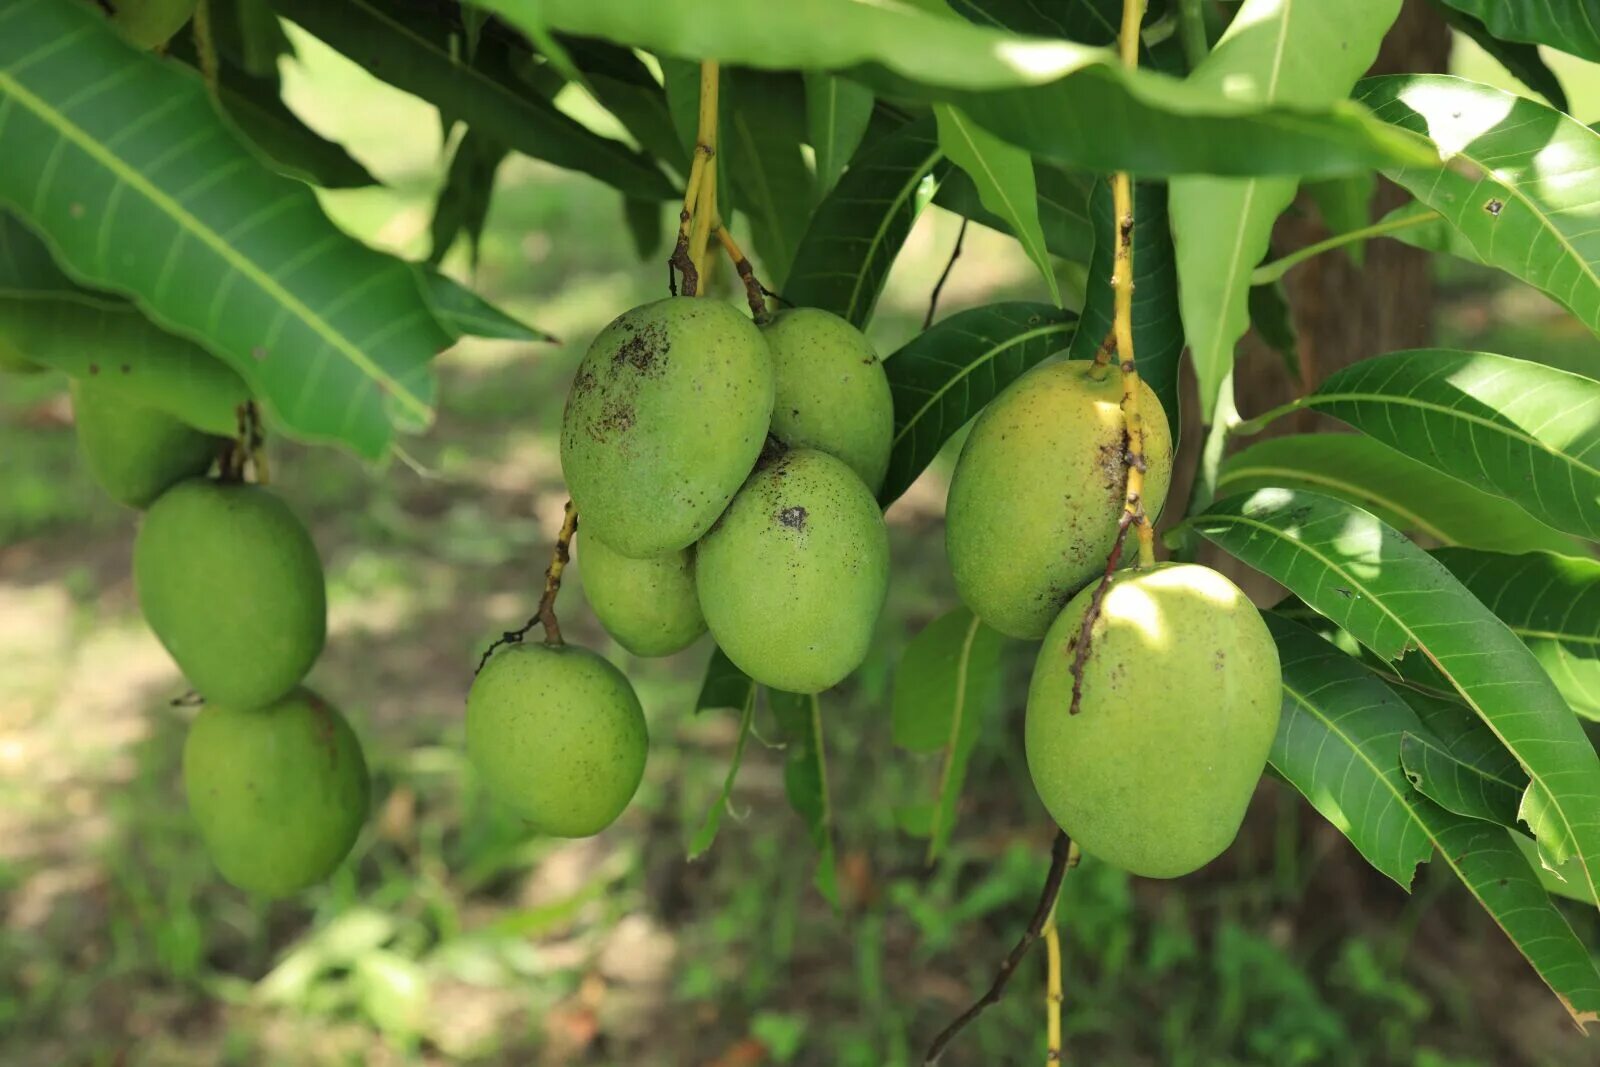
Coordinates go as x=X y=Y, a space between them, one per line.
x=453 y=935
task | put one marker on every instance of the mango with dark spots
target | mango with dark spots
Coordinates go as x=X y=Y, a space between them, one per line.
x=648 y=605
x=793 y=577
x=667 y=415
x=832 y=393
x=230 y=583
x=134 y=452
x=1035 y=497
x=558 y=736
x=280 y=792
x=1180 y=701
x=149 y=24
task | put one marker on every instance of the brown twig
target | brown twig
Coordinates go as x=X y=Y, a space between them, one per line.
x=1061 y=851
x=944 y=275
x=1080 y=643
x=753 y=289
x=545 y=616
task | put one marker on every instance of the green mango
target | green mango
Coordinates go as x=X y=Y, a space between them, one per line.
x=793 y=576
x=558 y=736
x=150 y=24
x=280 y=792
x=1181 y=694
x=667 y=414
x=230 y=582
x=1035 y=497
x=648 y=605
x=832 y=393
x=134 y=452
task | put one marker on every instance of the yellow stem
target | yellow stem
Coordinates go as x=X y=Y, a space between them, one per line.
x=706 y=147
x=1053 y=996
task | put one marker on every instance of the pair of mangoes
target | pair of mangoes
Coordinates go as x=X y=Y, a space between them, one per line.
x=1180 y=693
x=229 y=581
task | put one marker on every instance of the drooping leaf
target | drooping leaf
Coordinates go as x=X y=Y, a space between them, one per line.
x=837 y=113
x=625 y=87
x=1550 y=601
x=1063 y=208
x=121 y=349
x=465 y=313
x=725 y=686
x=1157 y=327
x=1522 y=430
x=1393 y=597
x=947 y=686
x=1306 y=55
x=334 y=337
x=1520 y=58
x=1021 y=88
x=707 y=833
x=1559 y=882
x=1567 y=25
x=1406 y=494
x=858 y=229
x=945 y=375
x=1338 y=744
x=1003 y=177
x=1516 y=181
x=805 y=779
x=1458 y=763
x=412 y=51
x=765 y=119
x=462 y=205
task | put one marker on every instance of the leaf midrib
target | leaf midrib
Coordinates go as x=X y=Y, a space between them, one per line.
x=69 y=130
x=883 y=226
x=1239 y=473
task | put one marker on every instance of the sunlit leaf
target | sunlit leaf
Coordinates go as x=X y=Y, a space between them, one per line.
x=1519 y=57
x=1568 y=25
x=837 y=113
x=1459 y=764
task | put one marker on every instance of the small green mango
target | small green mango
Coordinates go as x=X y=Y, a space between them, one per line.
x=1181 y=694
x=230 y=582
x=648 y=605
x=150 y=24
x=134 y=452
x=793 y=576
x=558 y=736
x=832 y=393
x=280 y=792
x=667 y=414
x=1035 y=497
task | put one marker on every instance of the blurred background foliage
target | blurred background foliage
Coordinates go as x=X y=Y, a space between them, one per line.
x=453 y=936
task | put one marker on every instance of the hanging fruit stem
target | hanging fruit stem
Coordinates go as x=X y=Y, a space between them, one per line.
x=753 y=289
x=699 y=192
x=546 y=615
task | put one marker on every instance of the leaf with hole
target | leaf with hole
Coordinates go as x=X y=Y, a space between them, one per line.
x=335 y=338
x=1458 y=763
x=945 y=375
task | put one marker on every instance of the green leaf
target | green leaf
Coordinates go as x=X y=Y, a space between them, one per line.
x=462 y=205
x=28 y=269
x=1457 y=763
x=1402 y=492
x=837 y=113
x=412 y=51
x=1521 y=59
x=1088 y=21
x=858 y=229
x=1393 y=597
x=463 y=312
x=1338 y=744
x=1510 y=427
x=725 y=686
x=1017 y=87
x=334 y=337
x=1305 y=55
x=1345 y=204
x=707 y=833
x=947 y=686
x=805 y=779
x=1063 y=208
x=1568 y=25
x=645 y=226
x=1559 y=882
x=1273 y=321
x=1157 y=328
x=121 y=349
x=1516 y=181
x=764 y=115
x=625 y=87
x=945 y=375
x=1003 y=176
x=1550 y=601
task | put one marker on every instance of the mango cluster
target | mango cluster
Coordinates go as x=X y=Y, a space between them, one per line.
x=1151 y=765
x=725 y=474
x=229 y=581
